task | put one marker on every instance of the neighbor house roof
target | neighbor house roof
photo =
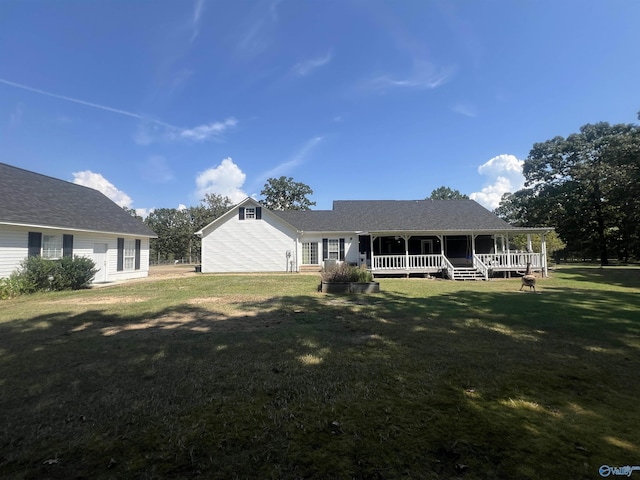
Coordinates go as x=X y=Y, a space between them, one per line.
x=32 y=199
x=398 y=215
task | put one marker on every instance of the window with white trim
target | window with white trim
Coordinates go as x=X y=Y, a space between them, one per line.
x=52 y=246
x=250 y=213
x=310 y=253
x=129 y=254
x=334 y=249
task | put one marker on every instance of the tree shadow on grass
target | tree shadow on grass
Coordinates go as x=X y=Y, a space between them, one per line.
x=626 y=276
x=470 y=385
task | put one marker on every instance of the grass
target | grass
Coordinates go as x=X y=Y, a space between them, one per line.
x=263 y=377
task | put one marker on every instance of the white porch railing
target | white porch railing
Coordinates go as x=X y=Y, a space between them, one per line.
x=408 y=262
x=510 y=260
x=483 y=262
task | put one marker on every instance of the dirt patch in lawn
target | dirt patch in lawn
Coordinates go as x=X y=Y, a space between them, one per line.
x=99 y=300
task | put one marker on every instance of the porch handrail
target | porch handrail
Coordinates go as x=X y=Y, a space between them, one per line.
x=448 y=267
x=480 y=266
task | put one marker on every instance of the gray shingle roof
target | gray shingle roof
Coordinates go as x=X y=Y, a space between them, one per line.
x=397 y=215
x=29 y=198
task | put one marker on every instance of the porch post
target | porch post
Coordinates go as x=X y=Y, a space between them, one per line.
x=543 y=250
x=529 y=246
x=373 y=240
x=506 y=239
x=406 y=253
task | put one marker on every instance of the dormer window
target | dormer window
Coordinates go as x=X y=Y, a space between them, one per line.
x=250 y=213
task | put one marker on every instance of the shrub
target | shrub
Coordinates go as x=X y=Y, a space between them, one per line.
x=73 y=273
x=13 y=286
x=38 y=274
x=344 y=272
x=35 y=273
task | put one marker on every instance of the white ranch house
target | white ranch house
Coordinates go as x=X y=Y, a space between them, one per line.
x=458 y=239
x=41 y=215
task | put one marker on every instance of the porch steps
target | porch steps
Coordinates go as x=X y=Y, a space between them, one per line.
x=467 y=273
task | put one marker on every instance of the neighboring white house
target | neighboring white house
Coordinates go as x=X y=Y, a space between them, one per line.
x=458 y=238
x=41 y=215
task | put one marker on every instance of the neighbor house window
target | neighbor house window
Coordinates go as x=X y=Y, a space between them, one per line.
x=129 y=254
x=52 y=246
x=310 y=253
x=250 y=213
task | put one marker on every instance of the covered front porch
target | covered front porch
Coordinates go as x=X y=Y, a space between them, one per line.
x=455 y=255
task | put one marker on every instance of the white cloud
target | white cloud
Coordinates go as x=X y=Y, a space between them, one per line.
x=96 y=181
x=225 y=179
x=297 y=159
x=144 y=212
x=425 y=75
x=305 y=68
x=150 y=129
x=149 y=132
x=195 y=21
x=207 y=131
x=504 y=174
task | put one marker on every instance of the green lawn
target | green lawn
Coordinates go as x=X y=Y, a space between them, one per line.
x=263 y=377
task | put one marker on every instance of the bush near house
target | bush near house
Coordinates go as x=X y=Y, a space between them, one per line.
x=345 y=273
x=37 y=274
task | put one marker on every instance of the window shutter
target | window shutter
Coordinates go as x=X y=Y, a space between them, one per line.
x=138 y=245
x=120 y=265
x=325 y=248
x=341 y=249
x=67 y=245
x=241 y=213
x=35 y=244
x=258 y=213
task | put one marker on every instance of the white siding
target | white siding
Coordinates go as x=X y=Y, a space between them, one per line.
x=14 y=242
x=248 y=245
x=13 y=249
x=350 y=244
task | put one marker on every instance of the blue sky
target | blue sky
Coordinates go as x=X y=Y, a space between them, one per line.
x=156 y=103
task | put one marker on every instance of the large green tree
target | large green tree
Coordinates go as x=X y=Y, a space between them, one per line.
x=285 y=194
x=174 y=232
x=586 y=187
x=176 y=228
x=446 y=193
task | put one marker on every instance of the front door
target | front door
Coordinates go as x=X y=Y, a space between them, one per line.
x=427 y=247
x=100 y=259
